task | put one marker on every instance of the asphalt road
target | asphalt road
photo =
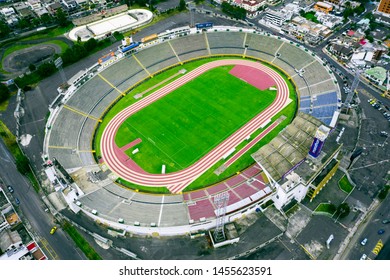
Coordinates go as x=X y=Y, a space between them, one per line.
x=369 y=230
x=32 y=209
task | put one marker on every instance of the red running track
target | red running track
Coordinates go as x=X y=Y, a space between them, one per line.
x=177 y=181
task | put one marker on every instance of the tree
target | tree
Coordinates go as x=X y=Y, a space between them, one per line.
x=182 y=5
x=22 y=164
x=4 y=92
x=32 y=67
x=90 y=45
x=370 y=38
x=46 y=18
x=36 y=21
x=343 y=210
x=235 y=12
x=23 y=23
x=46 y=69
x=383 y=193
x=4 y=29
x=61 y=17
x=347 y=13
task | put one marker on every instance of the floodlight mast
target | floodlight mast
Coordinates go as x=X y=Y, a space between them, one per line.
x=220 y=202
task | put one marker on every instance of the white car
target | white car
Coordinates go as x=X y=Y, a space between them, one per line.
x=364 y=241
x=363 y=257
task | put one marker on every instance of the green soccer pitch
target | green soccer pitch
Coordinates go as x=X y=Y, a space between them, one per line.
x=207 y=110
x=185 y=125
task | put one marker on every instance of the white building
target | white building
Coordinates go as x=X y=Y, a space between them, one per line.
x=329 y=20
x=7 y=12
x=276 y=18
x=69 y=4
x=34 y=4
x=291 y=189
x=360 y=58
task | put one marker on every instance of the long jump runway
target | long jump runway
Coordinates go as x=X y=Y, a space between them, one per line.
x=177 y=181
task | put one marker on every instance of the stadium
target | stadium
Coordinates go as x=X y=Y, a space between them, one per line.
x=96 y=134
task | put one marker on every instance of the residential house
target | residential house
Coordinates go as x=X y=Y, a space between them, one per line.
x=24 y=10
x=69 y=4
x=251 y=6
x=34 y=4
x=343 y=52
x=10 y=241
x=276 y=18
x=53 y=8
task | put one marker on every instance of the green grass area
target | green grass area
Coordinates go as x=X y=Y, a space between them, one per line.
x=49 y=33
x=180 y=128
x=21 y=161
x=311 y=16
x=84 y=246
x=345 y=185
x=155 y=190
x=4 y=105
x=327 y=208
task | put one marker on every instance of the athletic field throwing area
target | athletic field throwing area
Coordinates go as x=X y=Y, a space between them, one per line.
x=191 y=123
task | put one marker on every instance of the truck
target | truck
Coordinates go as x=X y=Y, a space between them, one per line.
x=204 y=25
x=127 y=48
x=149 y=38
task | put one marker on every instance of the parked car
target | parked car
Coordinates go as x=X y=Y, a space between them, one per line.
x=364 y=241
x=363 y=257
x=17 y=201
x=381 y=231
x=386 y=221
x=10 y=189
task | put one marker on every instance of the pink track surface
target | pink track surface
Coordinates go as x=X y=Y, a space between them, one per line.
x=177 y=181
x=131 y=144
x=253 y=76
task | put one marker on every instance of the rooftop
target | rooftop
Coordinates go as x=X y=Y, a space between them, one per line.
x=289 y=148
x=311 y=167
x=378 y=73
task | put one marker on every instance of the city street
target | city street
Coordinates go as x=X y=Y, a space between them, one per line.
x=32 y=211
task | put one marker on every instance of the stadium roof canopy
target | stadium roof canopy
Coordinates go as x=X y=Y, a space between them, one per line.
x=289 y=148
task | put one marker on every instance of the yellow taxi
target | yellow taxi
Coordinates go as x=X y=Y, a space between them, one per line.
x=53 y=230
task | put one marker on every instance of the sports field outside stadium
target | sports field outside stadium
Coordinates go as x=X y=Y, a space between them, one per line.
x=183 y=126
